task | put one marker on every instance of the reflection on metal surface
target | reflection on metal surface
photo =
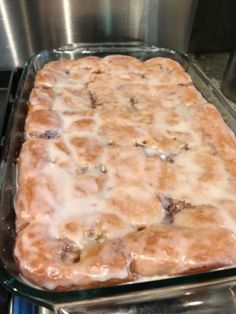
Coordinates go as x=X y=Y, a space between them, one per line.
x=43 y=310
x=68 y=21
x=193 y=303
x=9 y=32
x=26 y=23
x=10 y=310
x=28 y=26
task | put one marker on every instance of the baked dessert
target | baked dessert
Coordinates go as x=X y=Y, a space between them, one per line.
x=126 y=172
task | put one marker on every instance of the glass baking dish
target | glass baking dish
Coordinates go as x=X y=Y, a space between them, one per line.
x=172 y=288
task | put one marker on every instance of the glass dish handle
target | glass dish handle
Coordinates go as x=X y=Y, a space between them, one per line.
x=76 y=47
x=215 y=300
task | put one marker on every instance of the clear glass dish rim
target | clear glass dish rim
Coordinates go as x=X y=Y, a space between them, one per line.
x=50 y=298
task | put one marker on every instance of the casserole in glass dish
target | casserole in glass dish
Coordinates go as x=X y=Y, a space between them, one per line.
x=100 y=296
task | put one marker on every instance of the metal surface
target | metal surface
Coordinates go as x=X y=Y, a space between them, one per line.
x=18 y=305
x=21 y=306
x=28 y=26
x=213 y=301
x=4 y=82
x=43 y=310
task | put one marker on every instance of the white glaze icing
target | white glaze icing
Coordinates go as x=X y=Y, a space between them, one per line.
x=128 y=138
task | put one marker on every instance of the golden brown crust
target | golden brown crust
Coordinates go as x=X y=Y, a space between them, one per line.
x=176 y=250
